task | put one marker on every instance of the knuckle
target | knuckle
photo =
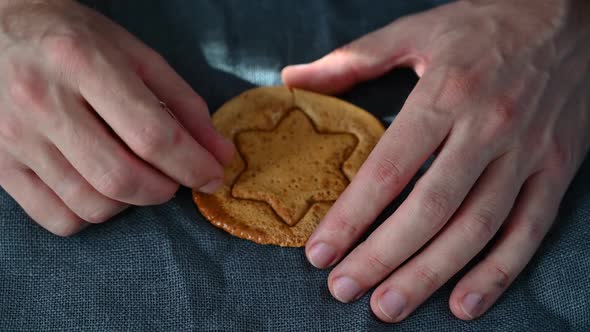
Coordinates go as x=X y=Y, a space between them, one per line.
x=154 y=56
x=147 y=54
x=65 y=227
x=9 y=167
x=481 y=225
x=116 y=184
x=98 y=216
x=459 y=84
x=166 y=195
x=345 y=49
x=379 y=264
x=501 y=276
x=150 y=142
x=561 y=157
x=6 y=172
x=428 y=277
x=342 y=222
x=27 y=89
x=436 y=205
x=504 y=110
x=387 y=173
x=535 y=228
x=68 y=50
x=145 y=60
x=355 y=69
x=10 y=132
x=447 y=33
x=535 y=232
x=85 y=203
x=193 y=178
x=462 y=82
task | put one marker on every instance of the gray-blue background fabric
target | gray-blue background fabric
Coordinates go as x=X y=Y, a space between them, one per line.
x=165 y=268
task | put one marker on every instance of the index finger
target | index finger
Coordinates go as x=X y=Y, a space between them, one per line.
x=170 y=87
x=185 y=104
x=121 y=98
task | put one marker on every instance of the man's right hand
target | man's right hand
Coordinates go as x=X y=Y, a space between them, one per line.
x=82 y=131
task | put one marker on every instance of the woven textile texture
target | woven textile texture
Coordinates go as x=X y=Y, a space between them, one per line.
x=165 y=268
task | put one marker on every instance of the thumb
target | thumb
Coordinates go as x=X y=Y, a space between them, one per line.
x=397 y=44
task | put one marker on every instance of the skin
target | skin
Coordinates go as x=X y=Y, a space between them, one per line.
x=503 y=104
x=82 y=132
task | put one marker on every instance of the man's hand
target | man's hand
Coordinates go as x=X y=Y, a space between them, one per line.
x=503 y=103
x=82 y=130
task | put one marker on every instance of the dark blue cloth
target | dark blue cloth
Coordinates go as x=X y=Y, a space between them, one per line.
x=165 y=268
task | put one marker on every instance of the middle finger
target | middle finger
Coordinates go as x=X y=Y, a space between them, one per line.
x=75 y=192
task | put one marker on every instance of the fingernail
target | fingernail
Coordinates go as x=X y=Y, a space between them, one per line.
x=346 y=289
x=211 y=186
x=226 y=141
x=321 y=255
x=392 y=304
x=472 y=305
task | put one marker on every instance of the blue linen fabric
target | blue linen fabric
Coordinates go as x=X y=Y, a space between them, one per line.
x=165 y=268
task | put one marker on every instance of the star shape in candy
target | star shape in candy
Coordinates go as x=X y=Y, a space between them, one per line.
x=292 y=166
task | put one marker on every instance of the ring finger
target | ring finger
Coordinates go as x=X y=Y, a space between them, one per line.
x=38 y=200
x=472 y=227
x=75 y=192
